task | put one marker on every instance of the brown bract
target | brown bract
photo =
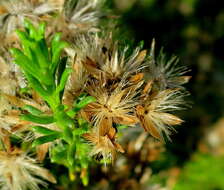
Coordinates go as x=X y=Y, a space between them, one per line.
x=153 y=111
x=116 y=107
x=104 y=141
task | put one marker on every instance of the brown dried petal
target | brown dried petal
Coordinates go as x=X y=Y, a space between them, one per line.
x=105 y=126
x=147 y=124
x=90 y=137
x=170 y=119
x=125 y=120
x=42 y=151
x=119 y=147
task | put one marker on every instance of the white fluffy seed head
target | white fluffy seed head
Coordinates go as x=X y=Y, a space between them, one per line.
x=20 y=172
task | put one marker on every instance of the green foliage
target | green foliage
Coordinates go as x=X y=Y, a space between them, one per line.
x=203 y=172
x=41 y=74
x=32 y=110
x=47 y=74
x=43 y=130
x=37 y=119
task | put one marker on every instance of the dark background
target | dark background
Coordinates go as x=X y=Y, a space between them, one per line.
x=194 y=31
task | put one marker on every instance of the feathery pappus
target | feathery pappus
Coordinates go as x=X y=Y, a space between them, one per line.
x=166 y=73
x=15 y=11
x=18 y=171
x=101 y=58
x=77 y=17
x=153 y=112
x=83 y=13
x=135 y=89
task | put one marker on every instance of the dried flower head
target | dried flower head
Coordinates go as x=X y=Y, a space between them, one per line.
x=153 y=112
x=129 y=89
x=101 y=58
x=18 y=171
x=115 y=107
x=15 y=11
x=82 y=14
x=76 y=17
x=166 y=73
x=104 y=142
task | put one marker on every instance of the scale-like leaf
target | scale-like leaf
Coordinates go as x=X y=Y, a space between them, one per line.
x=32 y=110
x=44 y=130
x=84 y=102
x=71 y=153
x=63 y=80
x=24 y=62
x=37 y=119
x=45 y=139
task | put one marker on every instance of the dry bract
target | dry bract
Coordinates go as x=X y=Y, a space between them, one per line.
x=104 y=142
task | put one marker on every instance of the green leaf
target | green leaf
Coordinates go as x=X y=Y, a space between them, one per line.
x=85 y=180
x=141 y=44
x=44 y=48
x=32 y=31
x=24 y=90
x=63 y=80
x=71 y=153
x=36 y=85
x=41 y=29
x=45 y=139
x=44 y=130
x=120 y=127
x=56 y=47
x=63 y=119
x=56 y=55
x=32 y=110
x=79 y=131
x=24 y=62
x=61 y=69
x=35 y=33
x=37 y=119
x=86 y=100
x=41 y=54
x=67 y=135
x=55 y=41
x=78 y=105
x=25 y=41
x=71 y=113
x=58 y=154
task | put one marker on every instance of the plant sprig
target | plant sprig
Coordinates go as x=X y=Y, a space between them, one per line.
x=45 y=69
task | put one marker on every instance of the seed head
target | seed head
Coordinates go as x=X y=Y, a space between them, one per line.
x=18 y=171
